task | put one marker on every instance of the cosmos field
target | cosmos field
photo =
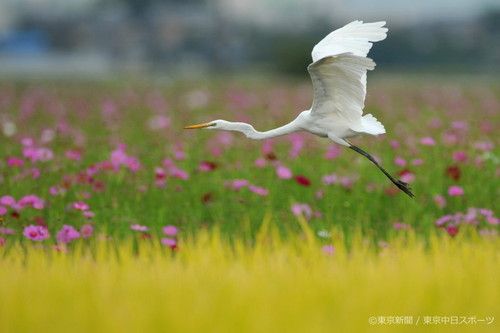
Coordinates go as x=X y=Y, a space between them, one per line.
x=115 y=218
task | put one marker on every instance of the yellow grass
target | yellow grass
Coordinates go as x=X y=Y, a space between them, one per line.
x=271 y=286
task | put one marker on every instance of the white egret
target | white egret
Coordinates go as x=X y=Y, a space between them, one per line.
x=338 y=74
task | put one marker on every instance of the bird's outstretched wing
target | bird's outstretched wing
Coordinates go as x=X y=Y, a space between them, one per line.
x=339 y=67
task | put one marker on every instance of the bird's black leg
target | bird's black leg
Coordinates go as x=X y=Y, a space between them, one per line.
x=402 y=185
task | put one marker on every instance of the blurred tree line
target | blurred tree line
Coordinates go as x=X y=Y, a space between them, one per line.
x=162 y=35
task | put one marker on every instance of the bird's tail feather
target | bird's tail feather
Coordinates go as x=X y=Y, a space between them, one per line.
x=371 y=125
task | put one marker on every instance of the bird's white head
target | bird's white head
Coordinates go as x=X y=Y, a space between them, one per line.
x=212 y=125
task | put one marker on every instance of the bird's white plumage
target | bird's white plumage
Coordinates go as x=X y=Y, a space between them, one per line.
x=338 y=74
x=355 y=37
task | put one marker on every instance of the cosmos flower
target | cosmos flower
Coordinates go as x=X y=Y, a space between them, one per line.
x=460 y=156
x=170 y=230
x=36 y=233
x=401 y=226
x=138 y=227
x=399 y=161
x=455 y=191
x=80 y=206
x=67 y=234
x=302 y=209
x=302 y=180
x=258 y=190
x=440 y=201
x=428 y=141
x=283 y=172
x=238 y=184
x=7 y=201
x=86 y=230
x=170 y=242
x=328 y=250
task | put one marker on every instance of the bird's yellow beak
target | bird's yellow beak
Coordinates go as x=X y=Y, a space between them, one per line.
x=199 y=126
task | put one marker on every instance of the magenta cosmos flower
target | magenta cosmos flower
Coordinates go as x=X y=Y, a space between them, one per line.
x=302 y=209
x=67 y=234
x=86 y=230
x=36 y=233
x=455 y=191
x=171 y=242
x=283 y=172
x=138 y=227
x=80 y=206
x=170 y=230
x=7 y=201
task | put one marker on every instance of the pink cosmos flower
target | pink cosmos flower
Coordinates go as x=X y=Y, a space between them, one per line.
x=179 y=155
x=138 y=227
x=346 y=182
x=328 y=250
x=7 y=201
x=81 y=206
x=30 y=200
x=452 y=230
x=267 y=147
x=399 y=161
x=170 y=230
x=6 y=231
x=417 y=161
x=302 y=209
x=60 y=248
x=133 y=164
x=36 y=233
x=3 y=210
x=484 y=146
x=67 y=234
x=460 y=156
x=207 y=166
x=158 y=122
x=178 y=173
x=74 y=155
x=333 y=152
x=455 y=191
x=238 y=184
x=118 y=157
x=44 y=154
x=260 y=162
x=86 y=230
x=297 y=144
x=408 y=177
x=401 y=226
x=27 y=142
x=444 y=220
x=88 y=214
x=283 y=172
x=2 y=241
x=428 y=141
x=330 y=179
x=170 y=242
x=258 y=190
x=394 y=144
x=14 y=161
x=440 y=201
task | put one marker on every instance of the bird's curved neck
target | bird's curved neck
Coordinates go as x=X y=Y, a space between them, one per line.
x=252 y=133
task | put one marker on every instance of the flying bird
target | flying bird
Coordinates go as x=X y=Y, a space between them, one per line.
x=338 y=74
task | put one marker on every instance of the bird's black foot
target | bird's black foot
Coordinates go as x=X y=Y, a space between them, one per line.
x=405 y=187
